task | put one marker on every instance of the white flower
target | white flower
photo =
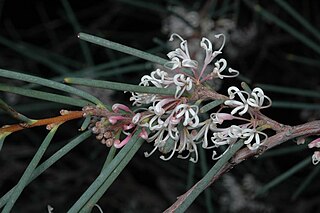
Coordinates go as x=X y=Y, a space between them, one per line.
x=239 y=105
x=187 y=143
x=202 y=135
x=207 y=45
x=218 y=69
x=143 y=98
x=182 y=83
x=253 y=134
x=316 y=157
x=158 y=78
x=257 y=99
x=190 y=114
x=180 y=57
x=220 y=138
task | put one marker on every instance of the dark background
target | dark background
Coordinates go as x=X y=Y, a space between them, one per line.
x=33 y=31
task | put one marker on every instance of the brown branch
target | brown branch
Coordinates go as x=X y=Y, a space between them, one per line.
x=287 y=133
x=70 y=115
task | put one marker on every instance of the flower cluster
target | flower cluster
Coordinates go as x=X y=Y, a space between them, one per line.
x=174 y=123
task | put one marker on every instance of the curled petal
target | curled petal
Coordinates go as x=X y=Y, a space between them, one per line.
x=223 y=41
x=128 y=126
x=177 y=35
x=119 y=144
x=173 y=64
x=189 y=63
x=136 y=118
x=117 y=107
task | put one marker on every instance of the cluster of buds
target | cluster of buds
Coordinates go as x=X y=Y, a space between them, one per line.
x=109 y=126
x=175 y=124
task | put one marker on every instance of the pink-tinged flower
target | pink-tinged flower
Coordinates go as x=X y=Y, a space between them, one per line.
x=143 y=134
x=314 y=143
x=128 y=126
x=220 y=117
x=116 y=118
x=117 y=107
x=119 y=144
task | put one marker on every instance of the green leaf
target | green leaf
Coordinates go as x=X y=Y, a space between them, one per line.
x=49 y=162
x=114 y=168
x=120 y=86
x=29 y=170
x=283 y=151
x=2 y=138
x=204 y=170
x=211 y=105
x=51 y=84
x=76 y=28
x=122 y=48
x=203 y=183
x=45 y=96
x=13 y=113
x=112 y=177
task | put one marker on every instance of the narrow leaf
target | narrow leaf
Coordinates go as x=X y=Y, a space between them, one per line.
x=50 y=161
x=112 y=177
x=119 y=86
x=99 y=181
x=49 y=83
x=122 y=48
x=211 y=105
x=203 y=183
x=44 y=96
x=28 y=172
x=13 y=113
